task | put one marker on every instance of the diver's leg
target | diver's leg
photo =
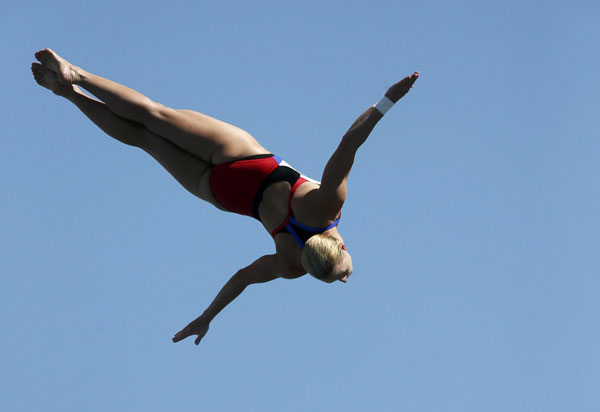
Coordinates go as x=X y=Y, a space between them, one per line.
x=210 y=139
x=191 y=172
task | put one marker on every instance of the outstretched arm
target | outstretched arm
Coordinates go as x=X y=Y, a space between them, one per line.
x=262 y=270
x=332 y=193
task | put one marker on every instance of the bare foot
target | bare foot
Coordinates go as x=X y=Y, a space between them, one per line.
x=48 y=79
x=66 y=73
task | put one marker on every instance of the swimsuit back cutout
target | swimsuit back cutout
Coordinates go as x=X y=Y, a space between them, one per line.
x=299 y=231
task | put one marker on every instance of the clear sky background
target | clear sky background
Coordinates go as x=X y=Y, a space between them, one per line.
x=472 y=214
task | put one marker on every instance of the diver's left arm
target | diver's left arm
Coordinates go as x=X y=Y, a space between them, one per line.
x=332 y=192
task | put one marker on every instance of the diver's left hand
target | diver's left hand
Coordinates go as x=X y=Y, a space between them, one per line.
x=397 y=91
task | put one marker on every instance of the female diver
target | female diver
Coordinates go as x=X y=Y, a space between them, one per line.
x=227 y=167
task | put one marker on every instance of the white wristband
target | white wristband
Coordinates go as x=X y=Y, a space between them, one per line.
x=384 y=105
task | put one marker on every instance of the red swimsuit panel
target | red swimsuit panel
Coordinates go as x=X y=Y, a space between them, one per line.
x=234 y=184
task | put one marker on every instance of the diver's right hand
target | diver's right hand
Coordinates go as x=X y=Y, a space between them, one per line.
x=199 y=327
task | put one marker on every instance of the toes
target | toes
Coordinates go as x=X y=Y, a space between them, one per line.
x=40 y=54
x=36 y=70
x=44 y=76
x=48 y=59
x=43 y=51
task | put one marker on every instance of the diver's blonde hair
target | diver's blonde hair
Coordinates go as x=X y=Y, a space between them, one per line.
x=320 y=255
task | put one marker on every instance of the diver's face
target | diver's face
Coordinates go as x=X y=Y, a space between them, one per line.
x=342 y=270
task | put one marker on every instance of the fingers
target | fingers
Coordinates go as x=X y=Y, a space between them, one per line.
x=188 y=331
x=181 y=335
x=411 y=79
x=407 y=82
x=414 y=77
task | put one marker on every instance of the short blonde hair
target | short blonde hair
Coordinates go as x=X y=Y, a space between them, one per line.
x=320 y=255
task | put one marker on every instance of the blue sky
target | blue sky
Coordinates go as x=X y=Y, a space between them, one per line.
x=472 y=214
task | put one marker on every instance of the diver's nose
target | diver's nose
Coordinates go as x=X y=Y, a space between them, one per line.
x=344 y=279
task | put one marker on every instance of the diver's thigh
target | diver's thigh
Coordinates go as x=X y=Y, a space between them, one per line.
x=205 y=137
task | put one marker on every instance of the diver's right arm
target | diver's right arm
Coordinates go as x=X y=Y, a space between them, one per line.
x=263 y=269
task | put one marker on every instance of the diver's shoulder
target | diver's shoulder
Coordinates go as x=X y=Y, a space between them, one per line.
x=288 y=253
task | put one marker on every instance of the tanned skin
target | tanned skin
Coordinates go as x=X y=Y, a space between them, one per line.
x=188 y=144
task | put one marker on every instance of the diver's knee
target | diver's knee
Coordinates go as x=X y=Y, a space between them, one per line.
x=155 y=110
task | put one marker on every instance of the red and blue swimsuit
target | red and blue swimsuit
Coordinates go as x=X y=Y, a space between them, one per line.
x=239 y=187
